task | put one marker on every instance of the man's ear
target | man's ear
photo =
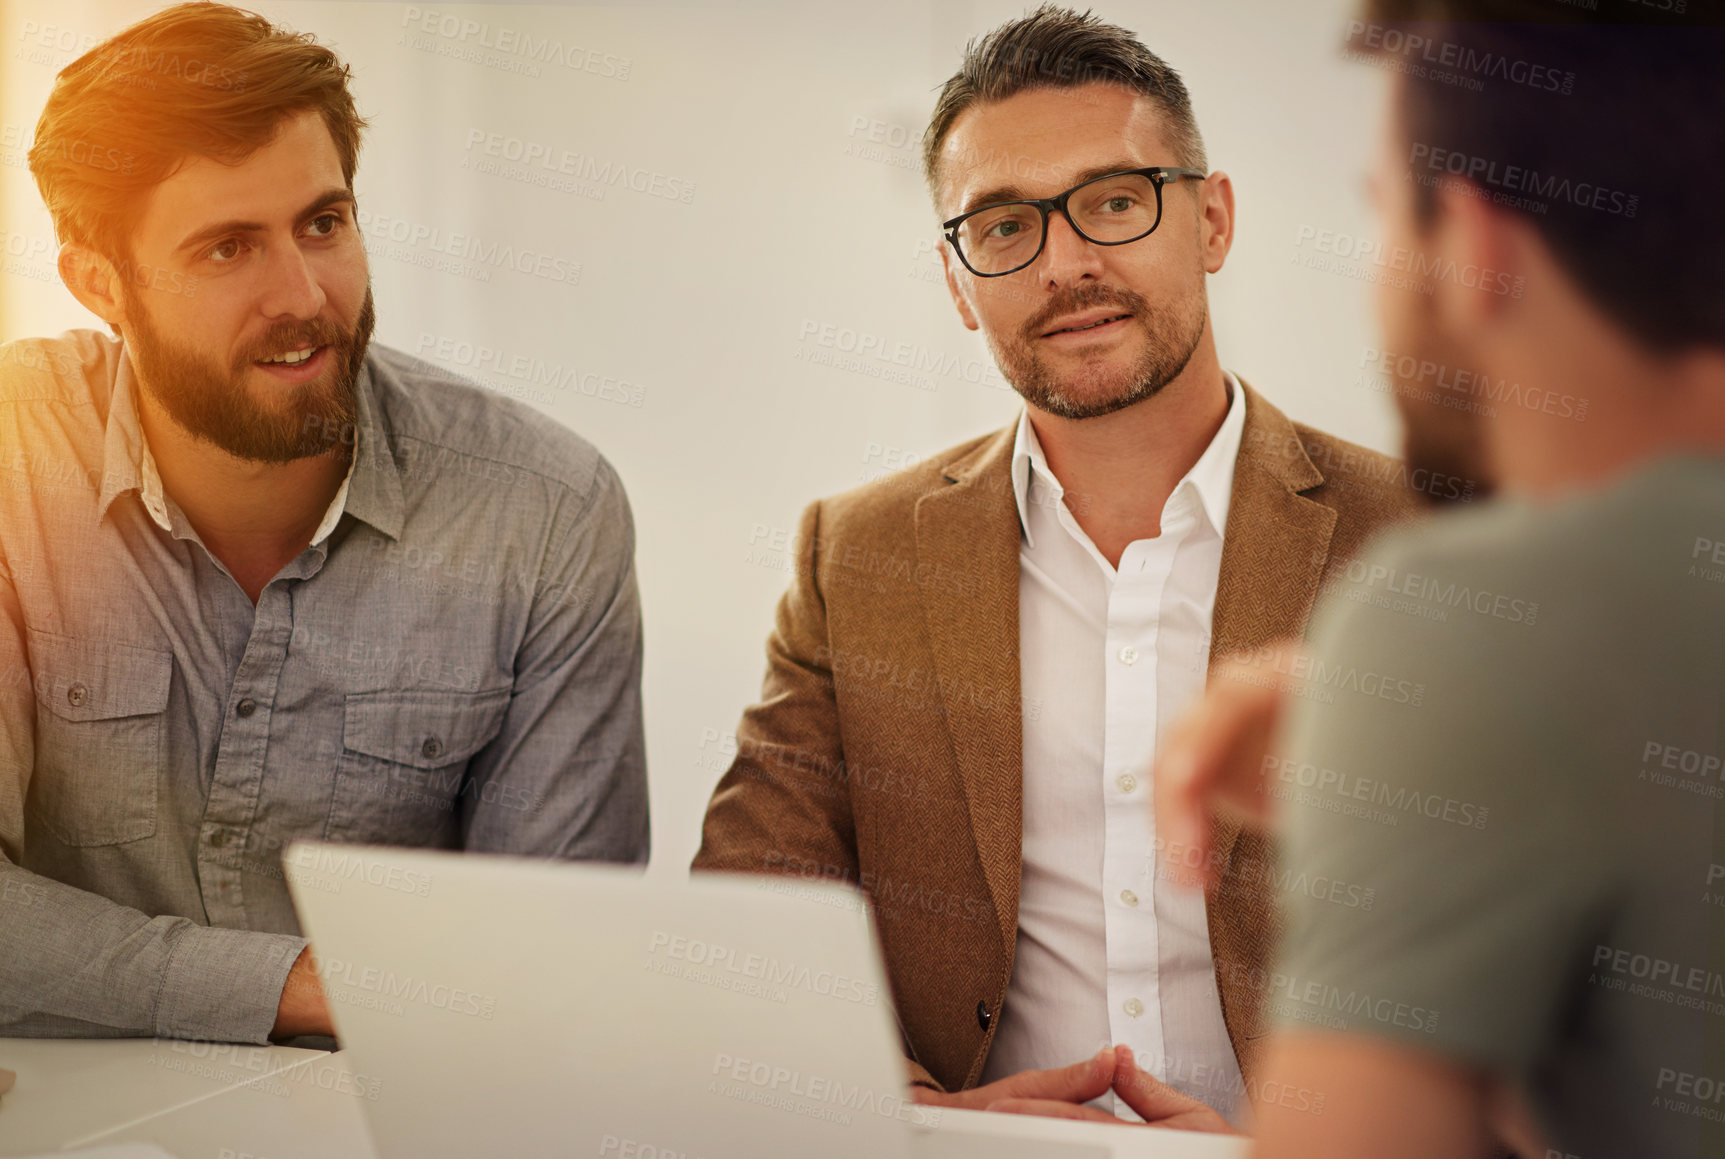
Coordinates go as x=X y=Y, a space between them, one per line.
x=1216 y=206
x=965 y=313
x=93 y=281
x=1468 y=233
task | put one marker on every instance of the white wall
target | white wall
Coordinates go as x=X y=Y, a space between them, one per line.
x=799 y=219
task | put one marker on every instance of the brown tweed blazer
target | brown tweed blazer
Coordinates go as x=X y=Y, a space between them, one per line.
x=886 y=749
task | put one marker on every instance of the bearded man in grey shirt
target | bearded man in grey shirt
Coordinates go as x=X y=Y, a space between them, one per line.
x=260 y=581
x=1506 y=896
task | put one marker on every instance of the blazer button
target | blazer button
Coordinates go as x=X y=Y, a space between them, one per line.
x=983 y=1017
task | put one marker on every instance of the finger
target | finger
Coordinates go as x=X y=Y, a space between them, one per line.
x=1152 y=1100
x=1051 y=1109
x=1214 y=761
x=1078 y=1083
x=1182 y=782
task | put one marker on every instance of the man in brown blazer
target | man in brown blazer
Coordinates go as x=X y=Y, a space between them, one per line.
x=968 y=675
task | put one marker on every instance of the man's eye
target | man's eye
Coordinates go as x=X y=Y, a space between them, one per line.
x=225 y=251
x=325 y=224
x=1118 y=204
x=1007 y=228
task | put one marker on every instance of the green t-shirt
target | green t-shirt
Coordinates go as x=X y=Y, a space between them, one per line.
x=1501 y=794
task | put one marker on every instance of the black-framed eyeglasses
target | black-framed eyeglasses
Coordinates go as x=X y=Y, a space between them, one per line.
x=1113 y=209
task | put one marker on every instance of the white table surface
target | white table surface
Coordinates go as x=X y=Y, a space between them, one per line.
x=203 y=1101
x=75 y=1092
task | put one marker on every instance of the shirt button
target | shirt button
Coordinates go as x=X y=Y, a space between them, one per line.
x=1127 y=782
x=1128 y=897
x=219 y=838
x=1129 y=655
x=246 y=707
x=431 y=749
x=77 y=696
x=1133 y=1007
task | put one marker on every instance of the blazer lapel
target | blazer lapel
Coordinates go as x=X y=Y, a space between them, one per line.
x=1273 y=558
x=967 y=538
x=1277 y=540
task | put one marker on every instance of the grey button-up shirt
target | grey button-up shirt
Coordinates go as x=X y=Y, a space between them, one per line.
x=457 y=664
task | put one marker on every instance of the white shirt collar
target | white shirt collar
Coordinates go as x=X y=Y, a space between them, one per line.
x=1212 y=476
x=155 y=501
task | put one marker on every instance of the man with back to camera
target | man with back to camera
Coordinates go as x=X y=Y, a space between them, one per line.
x=1548 y=950
x=968 y=678
x=260 y=580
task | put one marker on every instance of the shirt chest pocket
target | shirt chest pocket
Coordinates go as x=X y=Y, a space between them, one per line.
x=101 y=738
x=402 y=771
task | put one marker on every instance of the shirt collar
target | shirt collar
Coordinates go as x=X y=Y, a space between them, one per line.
x=123 y=441
x=1212 y=476
x=375 y=495
x=371 y=490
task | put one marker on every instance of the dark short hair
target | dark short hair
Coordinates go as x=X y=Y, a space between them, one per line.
x=1059 y=48
x=1599 y=126
x=196 y=79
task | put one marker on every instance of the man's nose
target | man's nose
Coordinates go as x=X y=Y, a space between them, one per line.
x=1067 y=257
x=293 y=290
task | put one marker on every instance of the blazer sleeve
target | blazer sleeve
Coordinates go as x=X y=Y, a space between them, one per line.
x=784 y=804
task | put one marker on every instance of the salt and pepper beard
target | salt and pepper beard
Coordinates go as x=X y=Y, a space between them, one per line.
x=1173 y=335
x=214 y=404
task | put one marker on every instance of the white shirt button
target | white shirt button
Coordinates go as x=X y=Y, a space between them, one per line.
x=1128 y=897
x=1129 y=655
x=1133 y=1007
x=1127 y=782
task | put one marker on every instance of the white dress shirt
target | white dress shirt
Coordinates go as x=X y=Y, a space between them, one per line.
x=1108 y=950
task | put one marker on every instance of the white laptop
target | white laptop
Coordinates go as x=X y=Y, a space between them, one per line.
x=567 y=1009
x=524 y=1007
